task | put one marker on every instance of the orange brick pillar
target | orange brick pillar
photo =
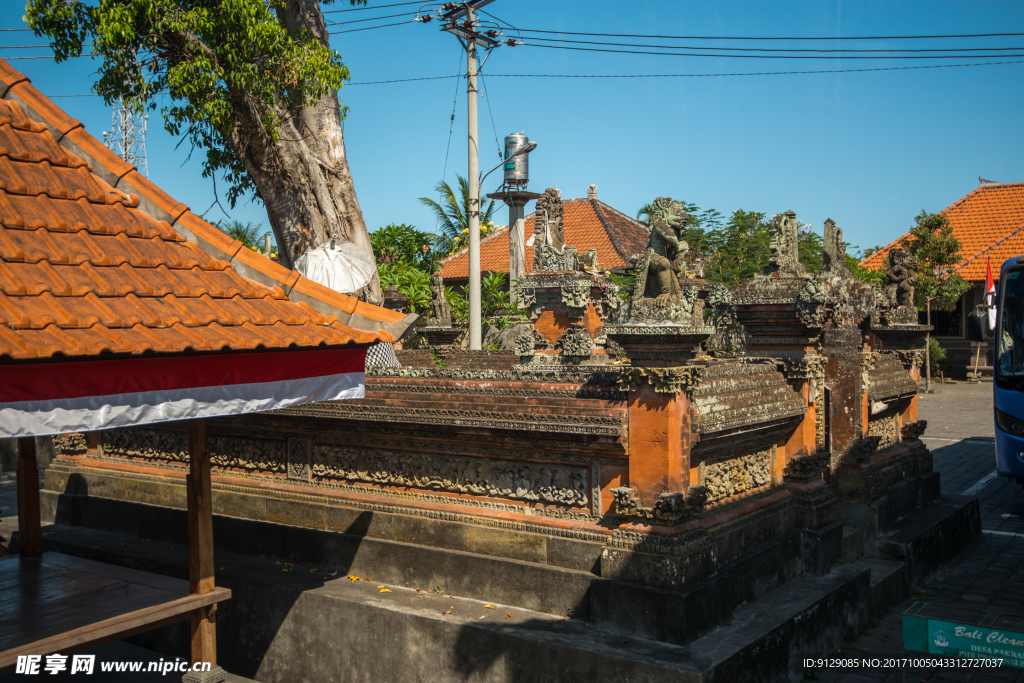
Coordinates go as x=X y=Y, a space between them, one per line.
x=659 y=443
x=803 y=440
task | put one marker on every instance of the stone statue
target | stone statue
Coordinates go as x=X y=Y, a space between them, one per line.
x=663 y=263
x=834 y=251
x=549 y=232
x=784 y=246
x=901 y=276
x=440 y=311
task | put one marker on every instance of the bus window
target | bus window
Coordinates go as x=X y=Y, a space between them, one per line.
x=1010 y=350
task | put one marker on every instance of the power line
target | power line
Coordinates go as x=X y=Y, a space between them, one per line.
x=360 y=9
x=699 y=54
x=772 y=49
x=744 y=73
x=491 y=112
x=356 y=21
x=641 y=35
x=367 y=28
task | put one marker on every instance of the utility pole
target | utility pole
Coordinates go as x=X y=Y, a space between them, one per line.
x=470 y=38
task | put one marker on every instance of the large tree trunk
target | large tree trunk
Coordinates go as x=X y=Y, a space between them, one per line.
x=303 y=175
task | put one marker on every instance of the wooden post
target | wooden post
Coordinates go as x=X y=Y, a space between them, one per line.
x=30 y=535
x=200 y=543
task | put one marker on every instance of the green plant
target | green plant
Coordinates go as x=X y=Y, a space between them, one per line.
x=457 y=303
x=411 y=281
x=246 y=233
x=935 y=354
x=452 y=214
x=398 y=243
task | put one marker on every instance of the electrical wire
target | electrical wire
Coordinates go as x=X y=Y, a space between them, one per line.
x=770 y=49
x=641 y=35
x=356 y=21
x=360 y=9
x=451 y=126
x=367 y=28
x=490 y=111
x=698 y=54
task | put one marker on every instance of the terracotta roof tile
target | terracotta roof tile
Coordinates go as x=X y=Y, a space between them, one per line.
x=989 y=222
x=84 y=271
x=588 y=223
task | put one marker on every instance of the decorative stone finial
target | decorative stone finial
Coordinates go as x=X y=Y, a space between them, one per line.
x=784 y=247
x=834 y=251
x=592 y=191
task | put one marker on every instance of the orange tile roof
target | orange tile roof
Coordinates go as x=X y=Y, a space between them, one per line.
x=83 y=270
x=989 y=222
x=589 y=223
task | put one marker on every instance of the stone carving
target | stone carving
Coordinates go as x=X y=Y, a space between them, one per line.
x=299 y=452
x=734 y=476
x=914 y=430
x=657 y=295
x=553 y=484
x=525 y=345
x=663 y=380
x=670 y=508
x=834 y=251
x=576 y=294
x=783 y=245
x=901 y=277
x=576 y=343
x=549 y=233
x=70 y=444
x=810 y=304
x=862 y=450
x=440 y=311
x=226 y=452
x=805 y=469
x=910 y=358
x=721 y=299
x=885 y=429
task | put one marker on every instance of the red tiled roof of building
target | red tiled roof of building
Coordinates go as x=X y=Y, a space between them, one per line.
x=989 y=222
x=588 y=223
x=83 y=270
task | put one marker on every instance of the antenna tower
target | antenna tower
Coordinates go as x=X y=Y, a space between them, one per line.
x=127 y=137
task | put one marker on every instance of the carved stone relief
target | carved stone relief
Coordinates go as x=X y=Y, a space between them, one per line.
x=554 y=484
x=299 y=454
x=731 y=477
x=885 y=428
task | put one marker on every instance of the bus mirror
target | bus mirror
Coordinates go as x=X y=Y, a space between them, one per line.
x=977 y=325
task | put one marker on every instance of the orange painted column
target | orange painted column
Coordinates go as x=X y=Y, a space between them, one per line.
x=803 y=440
x=910 y=413
x=659 y=443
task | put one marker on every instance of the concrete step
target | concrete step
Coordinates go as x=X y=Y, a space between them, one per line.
x=932 y=535
x=292 y=624
x=888 y=584
x=853 y=544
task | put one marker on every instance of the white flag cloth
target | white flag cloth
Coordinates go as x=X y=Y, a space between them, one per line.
x=337 y=265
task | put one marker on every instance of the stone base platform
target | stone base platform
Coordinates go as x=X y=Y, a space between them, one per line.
x=288 y=623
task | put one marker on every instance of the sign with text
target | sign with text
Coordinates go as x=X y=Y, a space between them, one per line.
x=924 y=633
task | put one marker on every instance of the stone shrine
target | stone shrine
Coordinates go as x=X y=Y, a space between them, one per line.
x=636 y=471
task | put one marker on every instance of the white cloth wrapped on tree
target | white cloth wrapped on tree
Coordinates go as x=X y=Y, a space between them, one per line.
x=338 y=265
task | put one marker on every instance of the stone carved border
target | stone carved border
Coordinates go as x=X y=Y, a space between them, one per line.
x=299 y=458
x=727 y=478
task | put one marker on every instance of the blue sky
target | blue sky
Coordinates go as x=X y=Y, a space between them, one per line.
x=869 y=150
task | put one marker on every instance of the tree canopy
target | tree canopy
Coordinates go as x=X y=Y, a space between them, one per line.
x=937 y=250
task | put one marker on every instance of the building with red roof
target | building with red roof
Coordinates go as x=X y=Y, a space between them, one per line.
x=588 y=223
x=989 y=223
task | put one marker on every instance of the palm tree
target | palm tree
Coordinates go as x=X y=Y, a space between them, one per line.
x=246 y=233
x=452 y=213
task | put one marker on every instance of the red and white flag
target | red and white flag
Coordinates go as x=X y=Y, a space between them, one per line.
x=990 y=296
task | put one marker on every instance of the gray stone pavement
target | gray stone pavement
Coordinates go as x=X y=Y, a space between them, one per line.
x=987 y=576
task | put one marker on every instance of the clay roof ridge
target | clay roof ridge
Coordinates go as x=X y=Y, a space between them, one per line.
x=153 y=201
x=500 y=231
x=609 y=230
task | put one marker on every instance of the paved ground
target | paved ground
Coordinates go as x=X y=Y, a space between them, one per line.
x=989 y=575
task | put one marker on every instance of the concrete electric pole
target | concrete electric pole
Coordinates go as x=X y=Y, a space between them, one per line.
x=465 y=31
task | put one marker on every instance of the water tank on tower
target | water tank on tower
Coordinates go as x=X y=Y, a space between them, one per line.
x=517 y=171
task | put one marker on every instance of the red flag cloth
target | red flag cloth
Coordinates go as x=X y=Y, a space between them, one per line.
x=990 y=301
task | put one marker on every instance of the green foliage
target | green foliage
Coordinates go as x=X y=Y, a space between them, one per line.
x=409 y=280
x=246 y=233
x=868 y=275
x=935 y=354
x=625 y=284
x=458 y=304
x=937 y=251
x=205 y=60
x=452 y=214
x=400 y=243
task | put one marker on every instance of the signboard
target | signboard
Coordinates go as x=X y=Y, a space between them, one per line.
x=923 y=632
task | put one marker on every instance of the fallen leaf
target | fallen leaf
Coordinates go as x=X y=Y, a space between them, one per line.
x=588 y=625
x=508 y=614
x=625 y=640
x=489 y=606
x=448 y=612
x=734 y=615
x=314 y=570
x=286 y=569
x=385 y=590
x=276 y=562
x=418 y=590
x=353 y=578
x=380 y=586
x=638 y=647
x=366 y=578
x=551 y=621
x=221 y=569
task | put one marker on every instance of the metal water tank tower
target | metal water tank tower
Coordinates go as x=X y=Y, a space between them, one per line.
x=517 y=171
